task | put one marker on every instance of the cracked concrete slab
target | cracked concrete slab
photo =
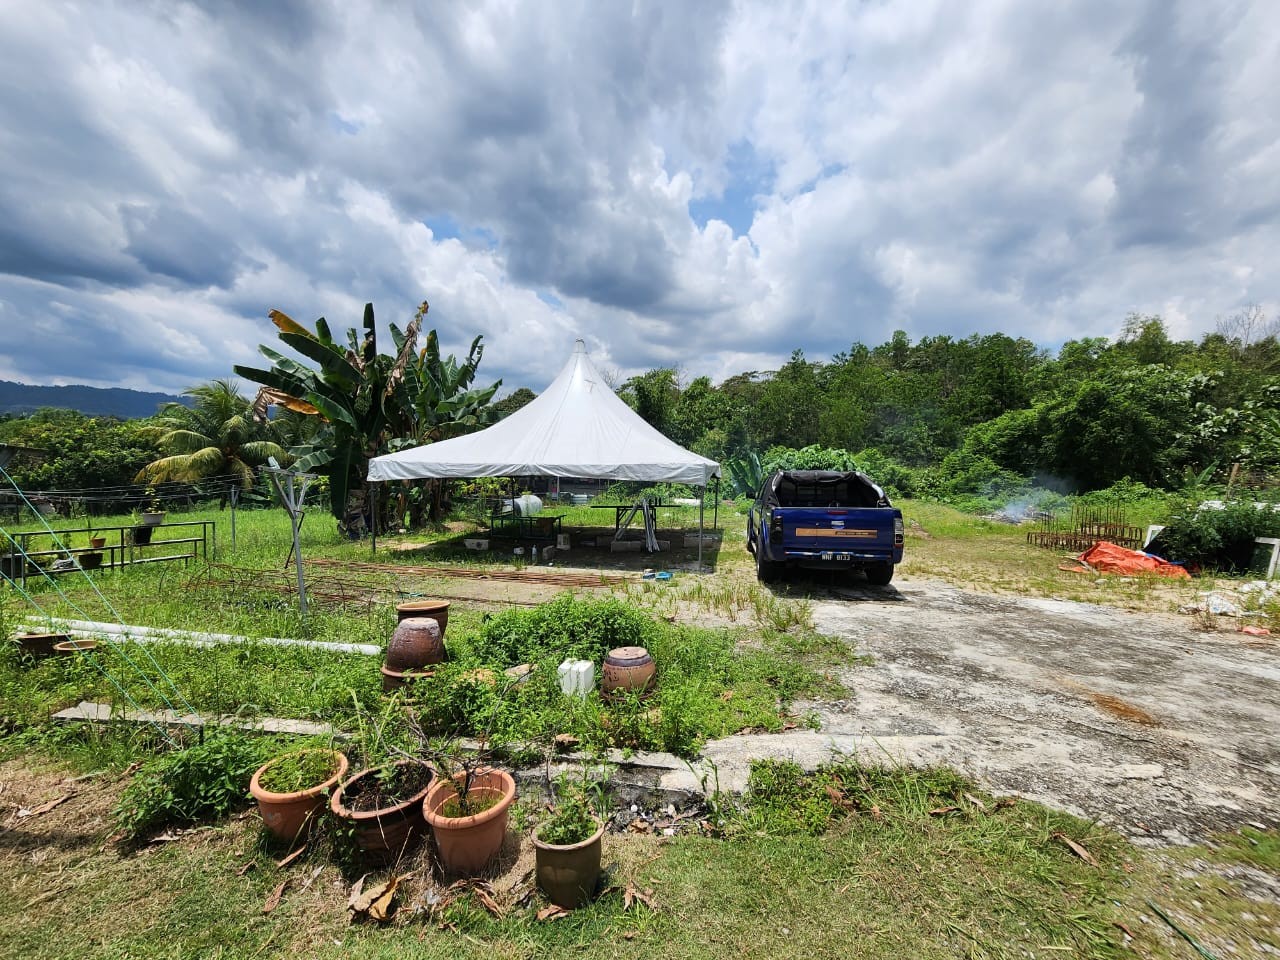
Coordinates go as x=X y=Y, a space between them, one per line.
x=1137 y=721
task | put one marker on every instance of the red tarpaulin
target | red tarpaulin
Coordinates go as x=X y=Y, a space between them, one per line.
x=1112 y=558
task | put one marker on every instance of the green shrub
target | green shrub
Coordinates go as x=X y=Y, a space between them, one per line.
x=1216 y=539
x=565 y=628
x=203 y=781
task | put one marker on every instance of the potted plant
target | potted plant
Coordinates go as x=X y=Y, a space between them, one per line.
x=468 y=813
x=153 y=516
x=567 y=848
x=382 y=807
x=140 y=535
x=291 y=789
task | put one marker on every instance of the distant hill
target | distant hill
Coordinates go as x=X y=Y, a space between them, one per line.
x=95 y=401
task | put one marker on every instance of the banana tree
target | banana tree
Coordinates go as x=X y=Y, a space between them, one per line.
x=369 y=403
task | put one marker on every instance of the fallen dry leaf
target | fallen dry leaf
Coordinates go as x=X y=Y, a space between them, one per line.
x=566 y=741
x=633 y=894
x=252 y=864
x=273 y=901
x=975 y=801
x=838 y=798
x=1078 y=850
x=312 y=877
x=488 y=902
x=1127 y=932
x=629 y=935
x=639 y=826
x=789 y=726
x=727 y=696
x=552 y=912
x=375 y=902
x=23 y=813
x=943 y=811
x=292 y=857
x=875 y=813
x=1005 y=802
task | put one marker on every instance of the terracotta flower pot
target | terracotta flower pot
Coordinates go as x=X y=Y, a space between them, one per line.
x=97 y=542
x=437 y=610
x=627 y=670
x=68 y=647
x=568 y=874
x=417 y=642
x=287 y=814
x=386 y=832
x=40 y=644
x=468 y=843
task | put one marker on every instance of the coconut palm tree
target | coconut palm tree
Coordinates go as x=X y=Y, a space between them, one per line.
x=216 y=436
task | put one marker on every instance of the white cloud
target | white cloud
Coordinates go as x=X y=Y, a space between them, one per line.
x=171 y=173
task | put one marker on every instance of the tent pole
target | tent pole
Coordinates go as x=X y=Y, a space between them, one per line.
x=702 y=507
x=373 y=519
x=715 y=514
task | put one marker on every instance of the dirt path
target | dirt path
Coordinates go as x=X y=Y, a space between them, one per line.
x=1162 y=732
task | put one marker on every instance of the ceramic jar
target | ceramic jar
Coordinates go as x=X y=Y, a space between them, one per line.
x=627 y=670
x=416 y=642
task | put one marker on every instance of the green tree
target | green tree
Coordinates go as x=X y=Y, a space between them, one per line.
x=216 y=436
x=81 y=452
x=368 y=403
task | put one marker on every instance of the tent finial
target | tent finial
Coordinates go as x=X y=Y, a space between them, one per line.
x=579 y=346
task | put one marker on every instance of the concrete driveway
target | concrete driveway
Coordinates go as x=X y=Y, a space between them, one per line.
x=1138 y=721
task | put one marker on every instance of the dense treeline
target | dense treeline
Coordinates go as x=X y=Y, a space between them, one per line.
x=997 y=410
x=954 y=419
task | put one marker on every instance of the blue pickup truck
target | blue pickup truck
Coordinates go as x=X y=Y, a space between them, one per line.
x=824 y=519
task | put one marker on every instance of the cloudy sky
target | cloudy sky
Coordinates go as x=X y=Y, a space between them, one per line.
x=707 y=185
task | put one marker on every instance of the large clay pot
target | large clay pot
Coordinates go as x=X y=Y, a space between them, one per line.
x=382 y=834
x=417 y=642
x=568 y=874
x=627 y=670
x=437 y=610
x=287 y=814
x=466 y=844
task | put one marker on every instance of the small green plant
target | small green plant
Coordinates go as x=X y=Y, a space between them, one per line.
x=300 y=770
x=572 y=818
x=203 y=781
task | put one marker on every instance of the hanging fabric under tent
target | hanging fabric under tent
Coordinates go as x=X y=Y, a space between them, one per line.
x=577 y=427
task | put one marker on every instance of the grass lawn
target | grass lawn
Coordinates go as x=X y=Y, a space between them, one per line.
x=896 y=875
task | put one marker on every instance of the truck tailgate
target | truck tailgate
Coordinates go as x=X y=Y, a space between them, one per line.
x=839 y=529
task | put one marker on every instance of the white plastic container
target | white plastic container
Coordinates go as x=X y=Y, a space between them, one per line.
x=577 y=677
x=476 y=543
x=562 y=541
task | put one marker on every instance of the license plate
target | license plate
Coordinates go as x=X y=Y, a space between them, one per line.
x=829 y=555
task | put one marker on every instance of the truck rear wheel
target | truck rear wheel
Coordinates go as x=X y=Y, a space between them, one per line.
x=879 y=574
x=766 y=570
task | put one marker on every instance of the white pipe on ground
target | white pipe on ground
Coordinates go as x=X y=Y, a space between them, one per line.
x=194 y=638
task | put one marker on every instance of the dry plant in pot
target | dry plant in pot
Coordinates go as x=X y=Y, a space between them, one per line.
x=382 y=807
x=567 y=845
x=292 y=788
x=468 y=811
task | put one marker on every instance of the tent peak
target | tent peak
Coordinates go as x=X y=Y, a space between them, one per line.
x=579 y=346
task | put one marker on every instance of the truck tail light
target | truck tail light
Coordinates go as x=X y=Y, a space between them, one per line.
x=775 y=524
x=898 y=531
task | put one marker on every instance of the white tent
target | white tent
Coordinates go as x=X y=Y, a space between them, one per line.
x=577 y=427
